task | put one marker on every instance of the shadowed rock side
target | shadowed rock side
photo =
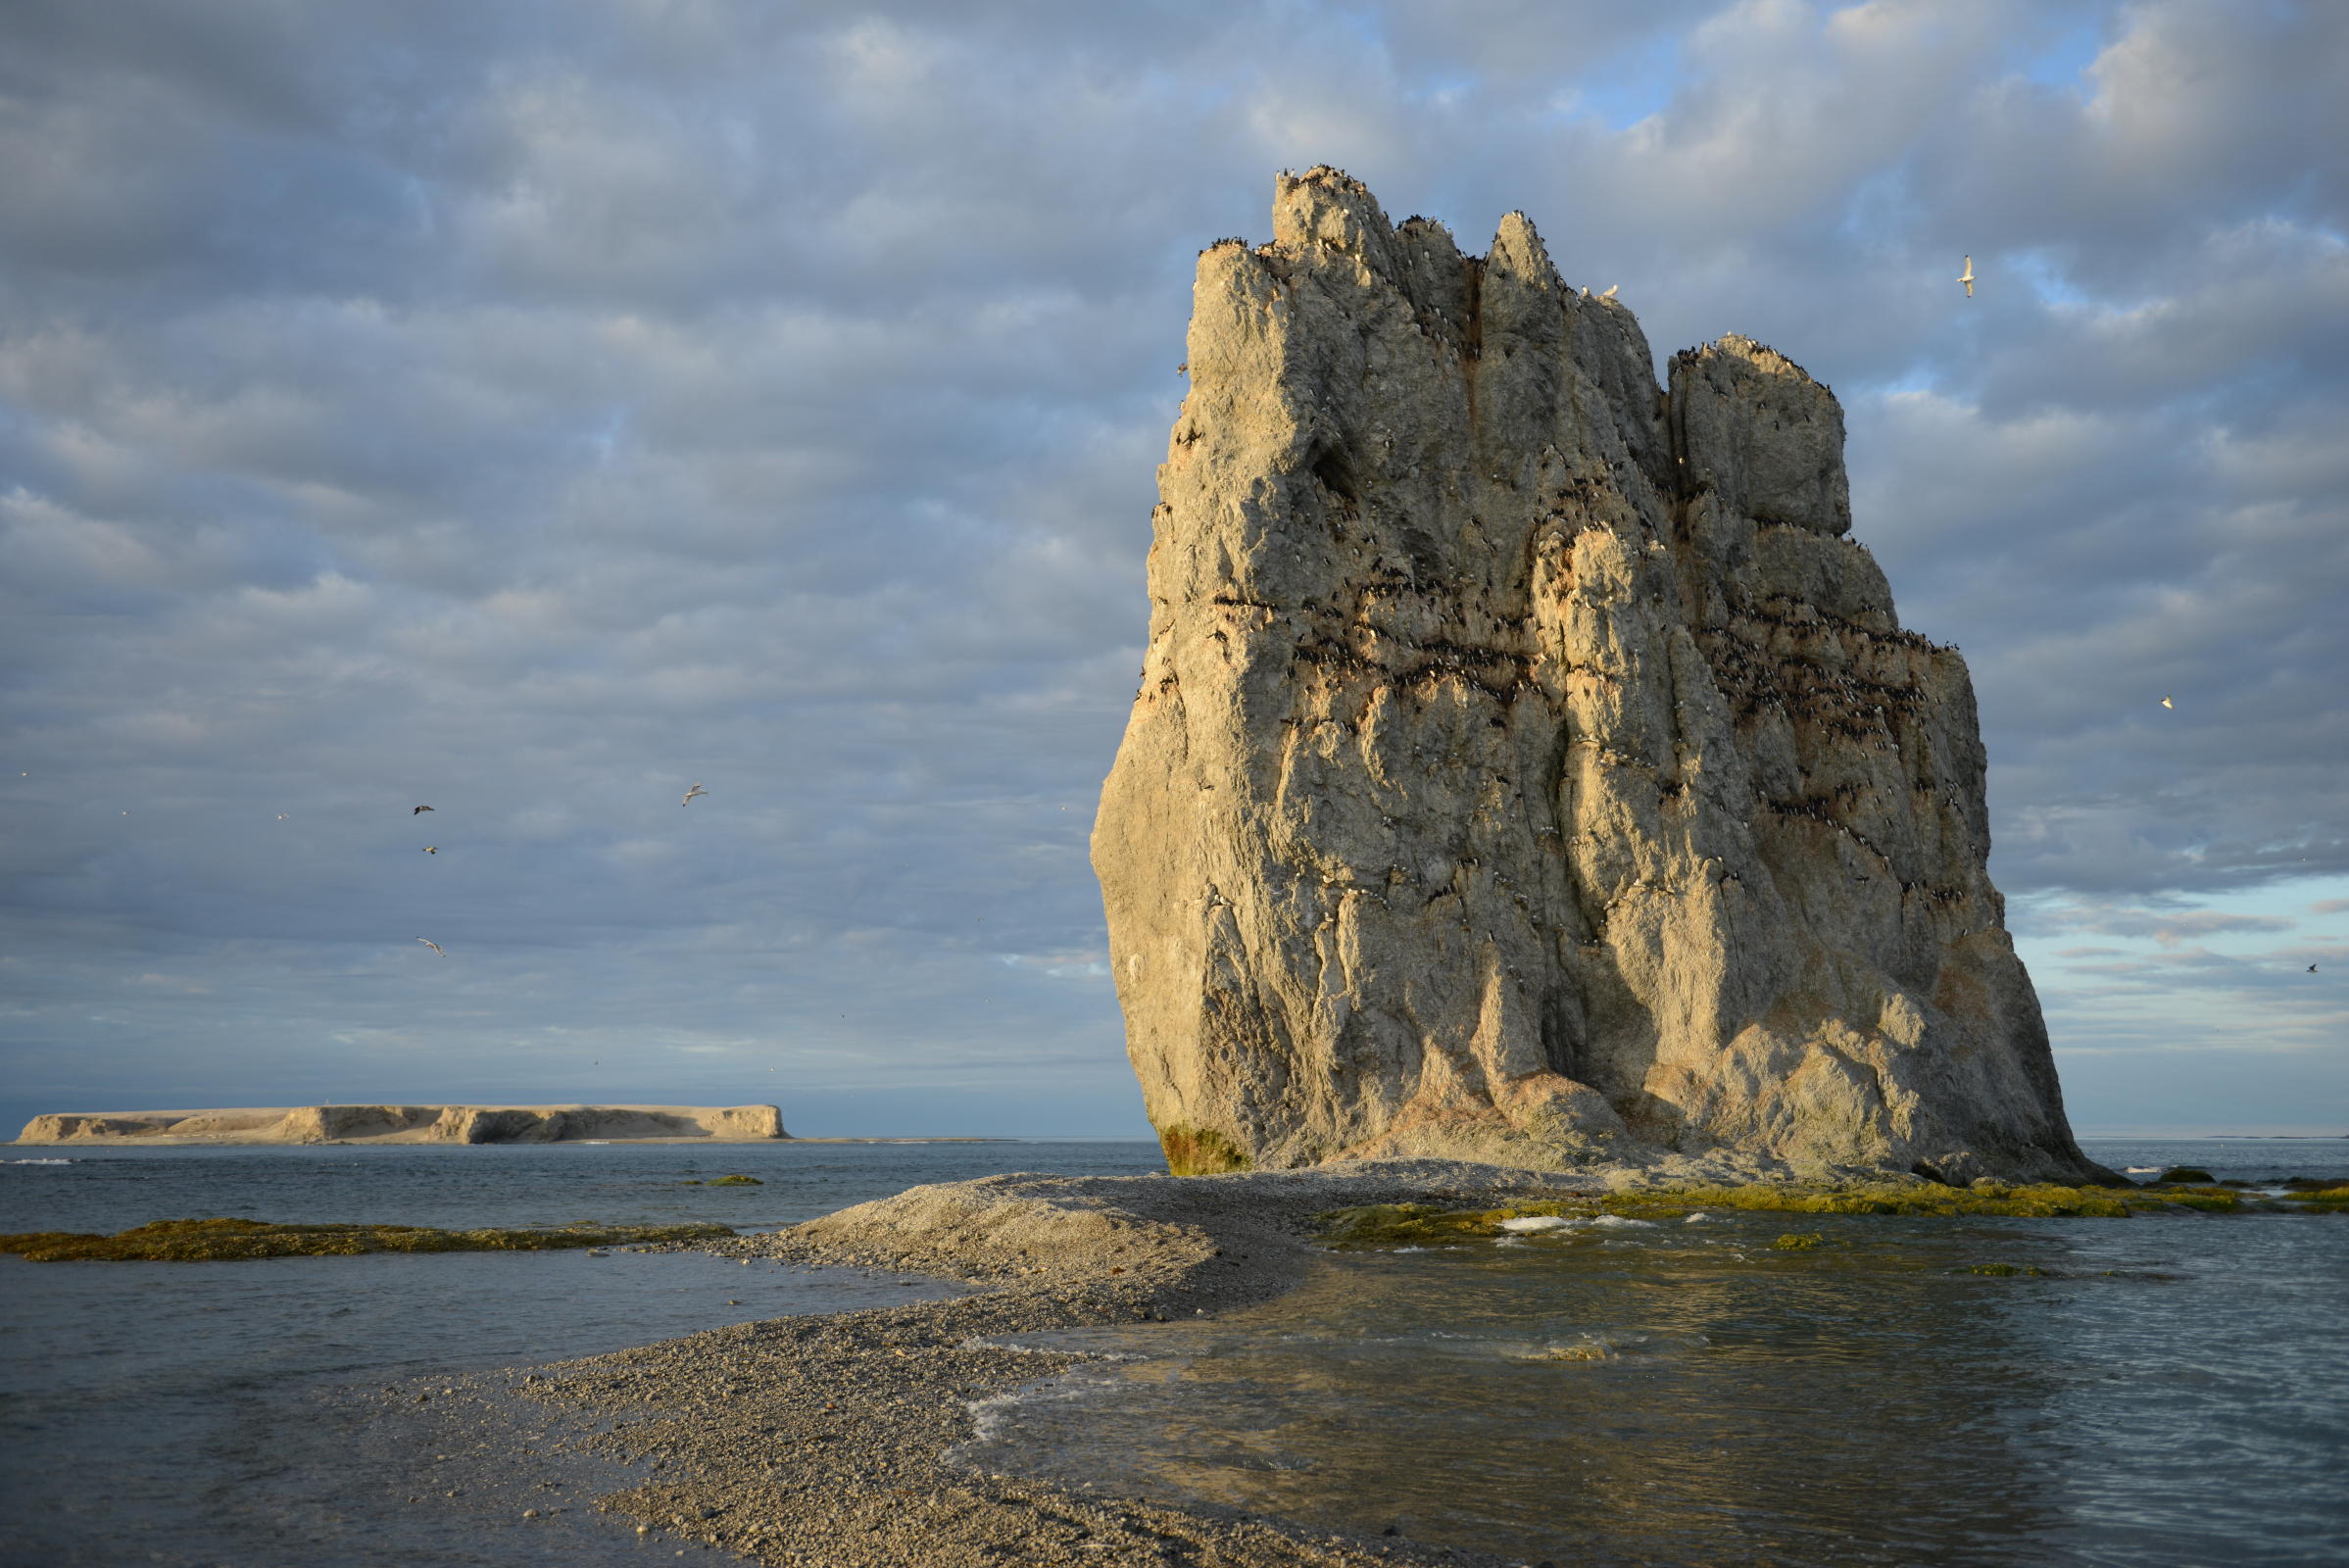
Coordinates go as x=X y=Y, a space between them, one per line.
x=1526 y=766
x=411 y=1124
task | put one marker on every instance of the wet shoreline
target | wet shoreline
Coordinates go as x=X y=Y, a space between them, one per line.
x=831 y=1439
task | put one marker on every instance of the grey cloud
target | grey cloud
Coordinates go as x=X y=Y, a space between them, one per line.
x=2169 y=928
x=535 y=409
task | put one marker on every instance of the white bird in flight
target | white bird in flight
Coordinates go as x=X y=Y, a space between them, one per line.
x=419 y=810
x=1967 y=277
x=691 y=792
x=434 y=945
x=430 y=849
x=2166 y=703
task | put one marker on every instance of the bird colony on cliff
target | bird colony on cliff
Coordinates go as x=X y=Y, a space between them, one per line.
x=1528 y=766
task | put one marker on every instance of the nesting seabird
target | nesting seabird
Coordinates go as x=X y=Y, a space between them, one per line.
x=1610 y=293
x=1967 y=277
x=691 y=792
x=434 y=945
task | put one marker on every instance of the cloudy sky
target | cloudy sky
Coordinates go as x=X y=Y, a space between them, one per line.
x=534 y=409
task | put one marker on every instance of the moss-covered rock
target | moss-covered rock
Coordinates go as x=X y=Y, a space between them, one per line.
x=194 y=1240
x=1200 y=1151
x=1801 y=1197
x=738 y=1181
x=2186 y=1173
x=2321 y=1197
x=1423 y=1224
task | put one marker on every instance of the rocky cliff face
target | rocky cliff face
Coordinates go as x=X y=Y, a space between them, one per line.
x=1527 y=765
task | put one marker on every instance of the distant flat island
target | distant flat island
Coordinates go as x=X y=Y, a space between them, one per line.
x=412 y=1124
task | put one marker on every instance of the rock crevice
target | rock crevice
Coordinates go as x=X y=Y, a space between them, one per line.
x=1527 y=765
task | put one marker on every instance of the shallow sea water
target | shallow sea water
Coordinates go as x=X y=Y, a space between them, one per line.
x=231 y=1413
x=2169 y=1390
x=2166 y=1391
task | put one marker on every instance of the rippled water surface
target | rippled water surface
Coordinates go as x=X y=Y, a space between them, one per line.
x=83 y=1188
x=213 y=1413
x=2169 y=1390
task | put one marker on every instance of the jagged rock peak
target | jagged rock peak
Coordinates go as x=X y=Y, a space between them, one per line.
x=1527 y=765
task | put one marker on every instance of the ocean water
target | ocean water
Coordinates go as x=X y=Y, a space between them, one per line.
x=2162 y=1391
x=231 y=1413
x=2170 y=1391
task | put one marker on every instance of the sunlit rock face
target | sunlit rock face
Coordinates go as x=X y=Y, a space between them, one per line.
x=1527 y=765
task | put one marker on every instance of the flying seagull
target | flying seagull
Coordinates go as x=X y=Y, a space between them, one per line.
x=432 y=849
x=1967 y=277
x=419 y=810
x=434 y=945
x=2312 y=968
x=2166 y=701
x=691 y=792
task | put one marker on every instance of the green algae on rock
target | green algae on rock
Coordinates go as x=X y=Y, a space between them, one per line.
x=1200 y=1151
x=737 y=1181
x=1380 y=1225
x=195 y=1240
x=2318 y=1195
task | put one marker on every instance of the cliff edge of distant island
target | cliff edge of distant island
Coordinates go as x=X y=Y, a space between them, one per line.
x=411 y=1124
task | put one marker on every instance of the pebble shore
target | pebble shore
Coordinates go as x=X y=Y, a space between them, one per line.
x=827 y=1440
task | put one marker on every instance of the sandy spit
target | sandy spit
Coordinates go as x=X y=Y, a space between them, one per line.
x=825 y=1439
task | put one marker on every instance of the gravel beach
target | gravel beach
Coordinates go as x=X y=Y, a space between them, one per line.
x=825 y=1439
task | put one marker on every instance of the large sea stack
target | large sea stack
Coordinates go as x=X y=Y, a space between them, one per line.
x=1528 y=766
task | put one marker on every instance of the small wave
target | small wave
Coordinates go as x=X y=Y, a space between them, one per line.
x=1693 y=1218
x=1617 y=1222
x=2141 y=1170
x=1585 y=1347
x=1536 y=1222
x=41 y=1162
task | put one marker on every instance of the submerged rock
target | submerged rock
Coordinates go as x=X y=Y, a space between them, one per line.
x=1527 y=765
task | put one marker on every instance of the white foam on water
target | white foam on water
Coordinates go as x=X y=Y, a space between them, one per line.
x=1617 y=1222
x=1537 y=1222
x=40 y=1163
x=1693 y=1218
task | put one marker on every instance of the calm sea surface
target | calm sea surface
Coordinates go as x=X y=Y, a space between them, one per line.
x=206 y=1413
x=2162 y=1391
